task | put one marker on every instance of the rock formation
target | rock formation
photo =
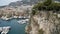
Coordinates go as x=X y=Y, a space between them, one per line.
x=44 y=22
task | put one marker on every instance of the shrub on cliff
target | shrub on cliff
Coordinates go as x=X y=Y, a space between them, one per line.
x=33 y=12
x=47 y=2
x=47 y=5
x=40 y=31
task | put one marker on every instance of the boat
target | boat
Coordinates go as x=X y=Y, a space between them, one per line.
x=15 y=16
x=23 y=21
x=20 y=17
x=5 y=18
x=4 y=30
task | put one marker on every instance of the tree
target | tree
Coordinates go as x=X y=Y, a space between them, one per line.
x=46 y=5
x=47 y=2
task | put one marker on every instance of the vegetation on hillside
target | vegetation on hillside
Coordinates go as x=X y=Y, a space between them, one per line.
x=40 y=31
x=46 y=5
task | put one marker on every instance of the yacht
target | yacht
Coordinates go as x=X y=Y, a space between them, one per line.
x=23 y=21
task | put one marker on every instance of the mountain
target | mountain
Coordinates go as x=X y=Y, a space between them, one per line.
x=24 y=2
x=2 y=6
x=18 y=3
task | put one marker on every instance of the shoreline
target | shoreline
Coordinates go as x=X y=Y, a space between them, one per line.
x=14 y=17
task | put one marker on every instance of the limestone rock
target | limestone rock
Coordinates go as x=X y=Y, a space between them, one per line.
x=47 y=21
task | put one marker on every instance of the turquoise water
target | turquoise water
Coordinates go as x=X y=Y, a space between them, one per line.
x=16 y=28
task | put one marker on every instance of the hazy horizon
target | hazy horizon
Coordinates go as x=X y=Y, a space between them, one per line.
x=6 y=2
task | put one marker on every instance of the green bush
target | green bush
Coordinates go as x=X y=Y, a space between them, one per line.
x=41 y=31
x=47 y=2
x=33 y=12
x=47 y=5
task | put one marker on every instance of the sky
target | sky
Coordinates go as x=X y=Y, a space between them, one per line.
x=6 y=2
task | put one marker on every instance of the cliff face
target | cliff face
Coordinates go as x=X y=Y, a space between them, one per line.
x=44 y=22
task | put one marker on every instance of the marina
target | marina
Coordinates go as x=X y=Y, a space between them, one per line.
x=14 y=17
x=16 y=28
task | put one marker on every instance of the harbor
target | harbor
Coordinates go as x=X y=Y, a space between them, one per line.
x=16 y=28
x=14 y=17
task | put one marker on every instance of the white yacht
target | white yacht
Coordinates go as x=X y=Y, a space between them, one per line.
x=23 y=21
x=4 y=30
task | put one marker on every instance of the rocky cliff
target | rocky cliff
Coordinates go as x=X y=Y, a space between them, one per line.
x=44 y=22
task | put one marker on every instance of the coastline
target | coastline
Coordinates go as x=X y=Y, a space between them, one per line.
x=20 y=17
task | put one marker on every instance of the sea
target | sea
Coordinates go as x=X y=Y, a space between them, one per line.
x=16 y=28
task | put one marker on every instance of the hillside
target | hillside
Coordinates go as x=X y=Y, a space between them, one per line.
x=45 y=19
